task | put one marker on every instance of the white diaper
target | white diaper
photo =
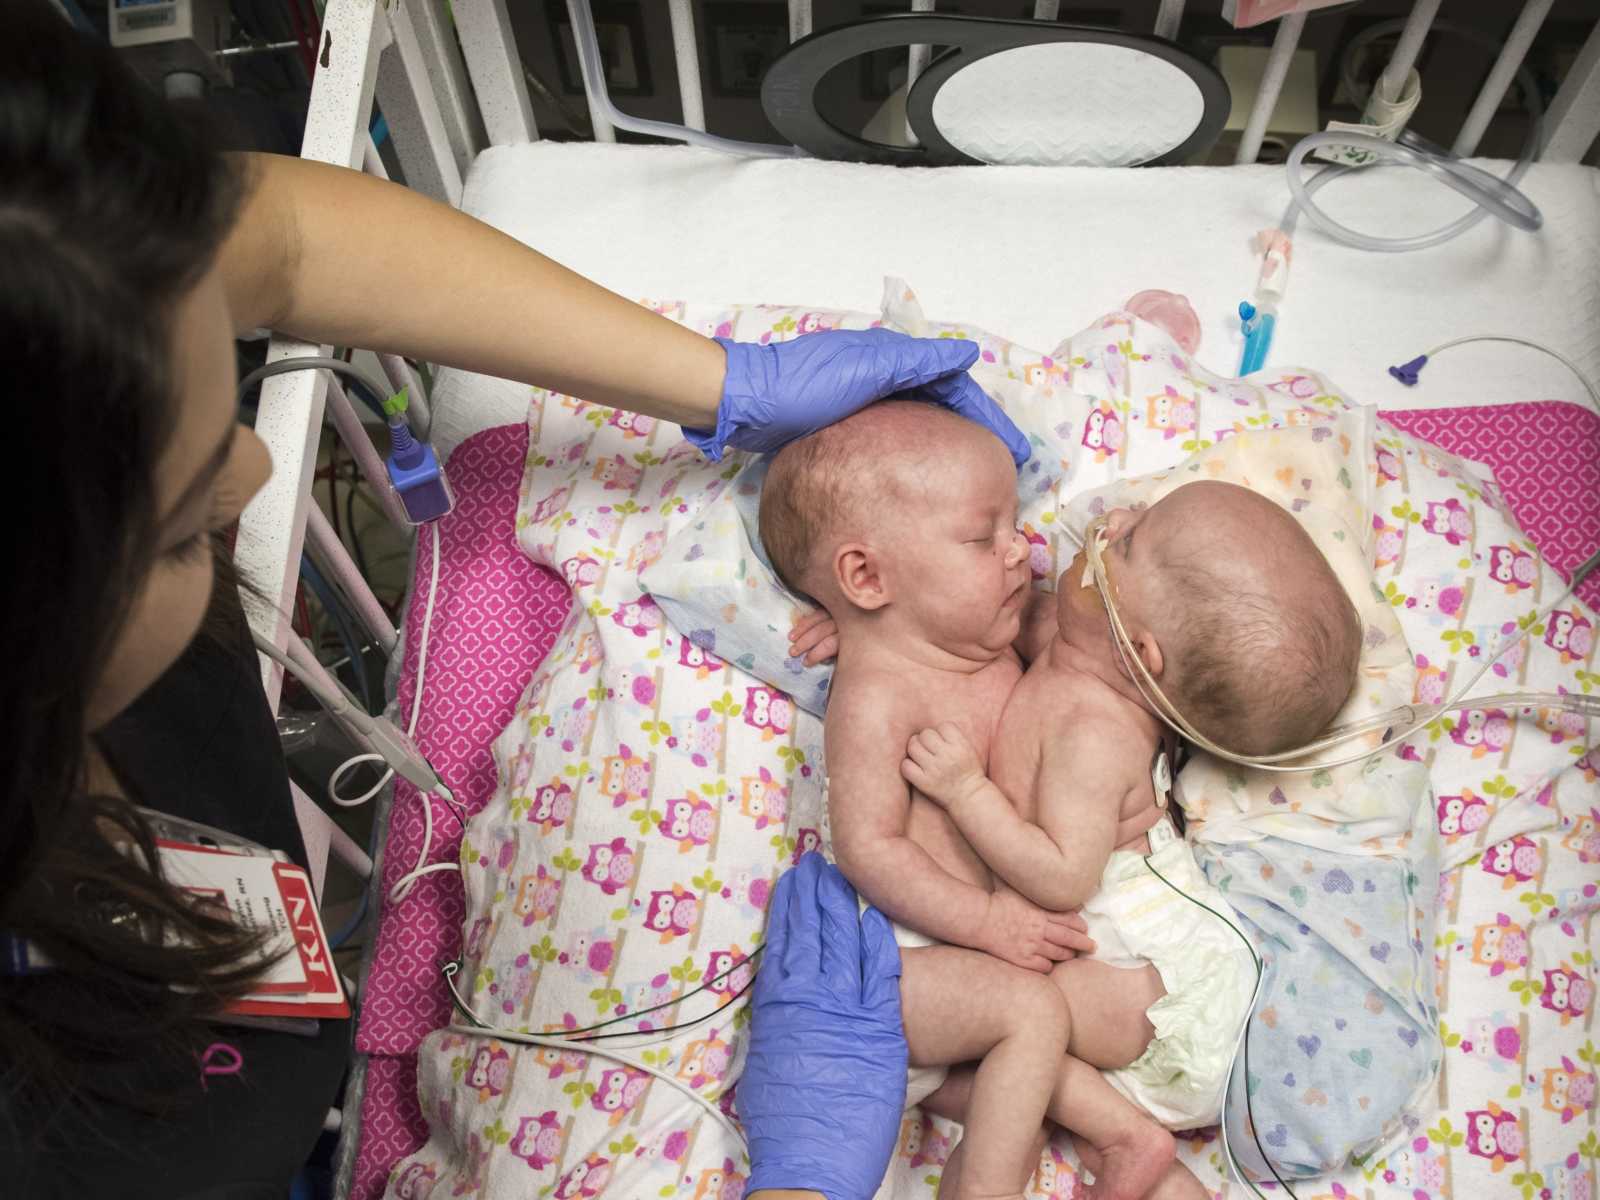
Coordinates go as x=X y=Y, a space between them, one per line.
x=921 y=1082
x=1206 y=968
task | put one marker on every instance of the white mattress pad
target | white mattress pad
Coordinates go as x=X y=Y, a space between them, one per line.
x=1034 y=252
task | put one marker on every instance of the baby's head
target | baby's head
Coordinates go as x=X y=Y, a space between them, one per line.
x=907 y=512
x=1237 y=614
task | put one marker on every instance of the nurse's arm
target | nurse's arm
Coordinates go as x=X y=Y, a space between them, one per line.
x=337 y=257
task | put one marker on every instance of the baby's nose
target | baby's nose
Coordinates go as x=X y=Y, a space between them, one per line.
x=1018 y=550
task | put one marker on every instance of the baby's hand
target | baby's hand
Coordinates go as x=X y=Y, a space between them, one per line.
x=814 y=637
x=942 y=765
x=1027 y=936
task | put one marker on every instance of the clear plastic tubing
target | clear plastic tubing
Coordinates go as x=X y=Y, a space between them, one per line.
x=1491 y=196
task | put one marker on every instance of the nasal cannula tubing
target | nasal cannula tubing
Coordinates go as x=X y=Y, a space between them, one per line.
x=1093 y=543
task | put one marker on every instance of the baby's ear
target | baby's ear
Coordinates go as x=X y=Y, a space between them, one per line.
x=859 y=575
x=1149 y=651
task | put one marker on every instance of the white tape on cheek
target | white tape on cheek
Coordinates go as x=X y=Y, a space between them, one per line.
x=1100 y=543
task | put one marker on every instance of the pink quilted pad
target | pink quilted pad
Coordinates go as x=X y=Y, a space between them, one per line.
x=1546 y=456
x=392 y=1125
x=495 y=617
x=497 y=614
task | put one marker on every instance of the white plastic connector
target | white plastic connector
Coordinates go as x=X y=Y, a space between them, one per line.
x=401 y=753
x=382 y=736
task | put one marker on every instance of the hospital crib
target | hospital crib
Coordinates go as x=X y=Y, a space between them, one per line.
x=679 y=222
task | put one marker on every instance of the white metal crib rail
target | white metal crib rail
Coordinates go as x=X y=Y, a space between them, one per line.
x=450 y=81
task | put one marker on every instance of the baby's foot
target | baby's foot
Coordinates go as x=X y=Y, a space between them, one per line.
x=1131 y=1166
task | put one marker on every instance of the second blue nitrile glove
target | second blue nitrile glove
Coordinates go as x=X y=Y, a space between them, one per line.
x=824 y=1082
x=776 y=393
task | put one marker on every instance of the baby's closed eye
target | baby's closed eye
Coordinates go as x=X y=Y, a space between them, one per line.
x=999 y=535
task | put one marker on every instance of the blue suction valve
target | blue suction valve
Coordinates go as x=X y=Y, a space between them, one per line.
x=1258 y=317
x=1256 y=324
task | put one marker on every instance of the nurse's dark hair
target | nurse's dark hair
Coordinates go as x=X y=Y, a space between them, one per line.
x=112 y=206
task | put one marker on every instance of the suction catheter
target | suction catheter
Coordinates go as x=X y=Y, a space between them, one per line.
x=1353 y=151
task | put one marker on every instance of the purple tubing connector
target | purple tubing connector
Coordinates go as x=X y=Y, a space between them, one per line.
x=407 y=451
x=418 y=478
x=1407 y=373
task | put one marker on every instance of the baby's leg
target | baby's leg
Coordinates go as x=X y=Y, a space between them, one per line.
x=950 y=1102
x=960 y=1005
x=1127 y=1152
x=1109 y=1028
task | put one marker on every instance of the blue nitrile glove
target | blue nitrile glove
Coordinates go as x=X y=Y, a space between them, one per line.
x=776 y=393
x=824 y=1083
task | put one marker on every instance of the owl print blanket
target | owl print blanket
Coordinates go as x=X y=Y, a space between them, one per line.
x=652 y=790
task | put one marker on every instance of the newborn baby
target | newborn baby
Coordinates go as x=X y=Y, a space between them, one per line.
x=901 y=521
x=1248 y=632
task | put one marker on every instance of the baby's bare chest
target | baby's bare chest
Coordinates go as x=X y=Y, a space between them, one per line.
x=973 y=702
x=1048 y=725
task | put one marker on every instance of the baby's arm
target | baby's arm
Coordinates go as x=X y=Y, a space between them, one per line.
x=1057 y=864
x=868 y=806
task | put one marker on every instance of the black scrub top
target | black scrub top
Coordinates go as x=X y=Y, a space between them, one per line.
x=200 y=743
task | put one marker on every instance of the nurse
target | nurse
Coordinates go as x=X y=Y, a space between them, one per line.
x=131 y=255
